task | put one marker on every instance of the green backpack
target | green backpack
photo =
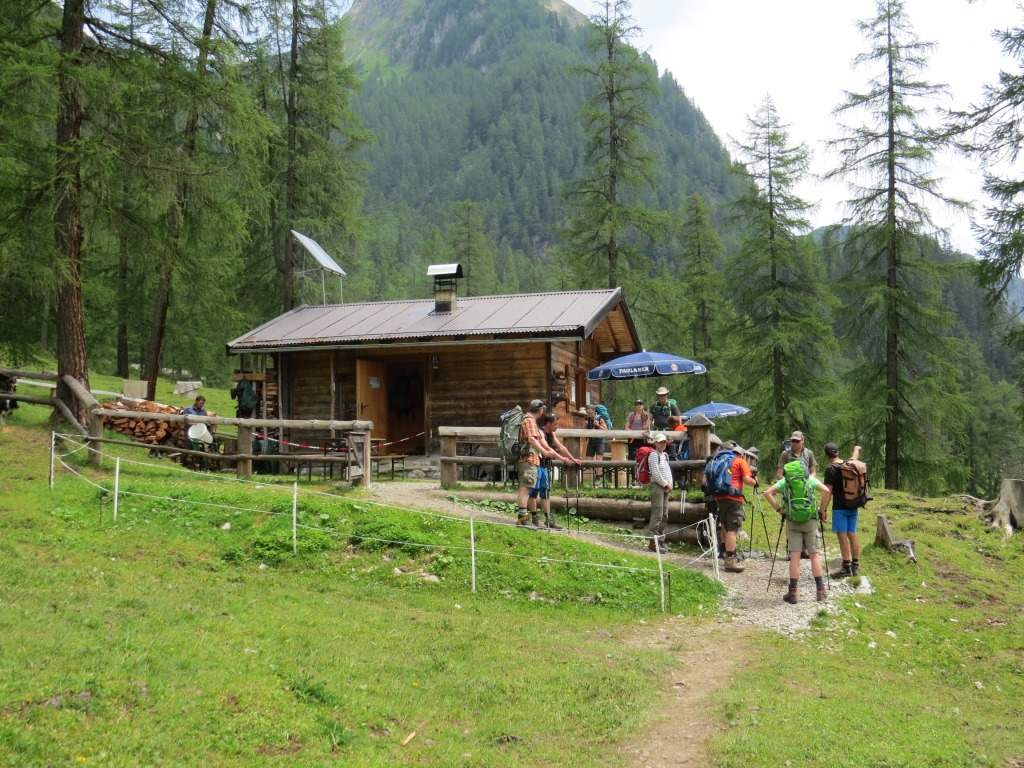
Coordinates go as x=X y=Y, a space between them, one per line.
x=799 y=498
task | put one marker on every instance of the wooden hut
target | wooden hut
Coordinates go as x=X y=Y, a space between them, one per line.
x=412 y=366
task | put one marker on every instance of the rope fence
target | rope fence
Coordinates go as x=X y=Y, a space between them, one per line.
x=663 y=571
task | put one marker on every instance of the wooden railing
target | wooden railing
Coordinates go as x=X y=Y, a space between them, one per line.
x=476 y=438
x=353 y=435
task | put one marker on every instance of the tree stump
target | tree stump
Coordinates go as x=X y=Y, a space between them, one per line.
x=1007 y=510
x=884 y=538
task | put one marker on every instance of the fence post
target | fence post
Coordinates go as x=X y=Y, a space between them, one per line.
x=95 y=447
x=449 y=470
x=472 y=553
x=117 y=484
x=295 y=518
x=243 y=468
x=53 y=447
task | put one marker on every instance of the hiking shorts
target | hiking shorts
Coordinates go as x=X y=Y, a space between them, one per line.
x=527 y=474
x=731 y=514
x=543 y=485
x=595 y=447
x=802 y=536
x=844 y=520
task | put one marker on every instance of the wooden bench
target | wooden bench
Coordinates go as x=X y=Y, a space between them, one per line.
x=393 y=458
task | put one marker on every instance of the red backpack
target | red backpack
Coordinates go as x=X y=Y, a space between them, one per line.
x=642 y=469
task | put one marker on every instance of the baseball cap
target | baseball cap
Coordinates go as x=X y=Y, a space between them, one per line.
x=662 y=391
x=798 y=435
x=536 y=405
x=659 y=437
x=831 y=449
x=639 y=401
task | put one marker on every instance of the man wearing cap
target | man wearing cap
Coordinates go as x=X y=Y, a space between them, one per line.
x=797 y=452
x=660 y=487
x=662 y=409
x=844 y=521
x=528 y=465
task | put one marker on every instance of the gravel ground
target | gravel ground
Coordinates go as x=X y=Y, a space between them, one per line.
x=750 y=602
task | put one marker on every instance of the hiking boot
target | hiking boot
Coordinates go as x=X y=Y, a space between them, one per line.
x=822 y=595
x=552 y=524
x=843 y=572
x=733 y=565
x=652 y=546
x=790 y=597
x=522 y=519
x=855 y=568
x=535 y=519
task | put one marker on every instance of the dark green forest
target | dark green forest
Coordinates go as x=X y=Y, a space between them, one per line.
x=154 y=160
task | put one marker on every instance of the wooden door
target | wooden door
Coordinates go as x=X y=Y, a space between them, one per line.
x=372 y=395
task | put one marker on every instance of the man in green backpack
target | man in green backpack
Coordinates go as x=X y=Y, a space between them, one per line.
x=801 y=513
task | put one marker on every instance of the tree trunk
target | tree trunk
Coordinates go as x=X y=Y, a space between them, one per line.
x=71 y=351
x=1006 y=511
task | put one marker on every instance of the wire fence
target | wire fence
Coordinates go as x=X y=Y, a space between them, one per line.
x=706 y=531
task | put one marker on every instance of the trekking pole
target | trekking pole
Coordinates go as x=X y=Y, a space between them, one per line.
x=775 y=551
x=764 y=522
x=824 y=551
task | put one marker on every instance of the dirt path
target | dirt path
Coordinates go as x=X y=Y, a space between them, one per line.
x=707 y=654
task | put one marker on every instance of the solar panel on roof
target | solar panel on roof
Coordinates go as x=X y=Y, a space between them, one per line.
x=318 y=253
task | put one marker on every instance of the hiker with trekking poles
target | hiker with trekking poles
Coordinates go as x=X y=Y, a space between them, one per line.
x=548 y=428
x=725 y=474
x=528 y=464
x=804 y=520
x=847 y=479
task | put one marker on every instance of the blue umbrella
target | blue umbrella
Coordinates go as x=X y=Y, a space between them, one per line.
x=716 y=410
x=643 y=364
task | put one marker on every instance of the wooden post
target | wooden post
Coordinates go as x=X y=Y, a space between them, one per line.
x=95 y=431
x=366 y=450
x=699 y=429
x=243 y=467
x=449 y=470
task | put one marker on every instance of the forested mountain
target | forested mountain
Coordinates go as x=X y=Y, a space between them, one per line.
x=154 y=159
x=478 y=102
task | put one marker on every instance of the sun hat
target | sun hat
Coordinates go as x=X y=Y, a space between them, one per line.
x=662 y=391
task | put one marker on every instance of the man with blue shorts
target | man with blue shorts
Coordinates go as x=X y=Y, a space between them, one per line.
x=844 y=521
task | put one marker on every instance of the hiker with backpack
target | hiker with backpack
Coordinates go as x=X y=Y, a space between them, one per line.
x=532 y=449
x=796 y=451
x=662 y=409
x=725 y=474
x=542 y=490
x=801 y=513
x=655 y=472
x=848 y=482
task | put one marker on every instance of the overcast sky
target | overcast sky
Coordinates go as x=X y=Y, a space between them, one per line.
x=729 y=54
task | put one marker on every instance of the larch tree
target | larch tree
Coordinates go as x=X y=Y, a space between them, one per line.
x=887 y=162
x=782 y=340
x=608 y=223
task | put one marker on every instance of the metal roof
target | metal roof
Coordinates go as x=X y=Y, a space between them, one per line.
x=476 y=319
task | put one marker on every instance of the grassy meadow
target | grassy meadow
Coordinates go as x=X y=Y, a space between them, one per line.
x=188 y=632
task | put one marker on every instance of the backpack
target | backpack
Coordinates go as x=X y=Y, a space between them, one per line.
x=509 y=443
x=245 y=393
x=798 y=497
x=665 y=410
x=642 y=468
x=718 y=474
x=602 y=412
x=854 y=490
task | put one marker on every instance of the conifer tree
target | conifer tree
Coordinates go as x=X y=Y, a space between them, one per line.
x=470 y=247
x=783 y=341
x=607 y=225
x=888 y=161
x=993 y=133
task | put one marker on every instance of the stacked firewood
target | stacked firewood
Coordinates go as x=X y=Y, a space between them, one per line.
x=151 y=431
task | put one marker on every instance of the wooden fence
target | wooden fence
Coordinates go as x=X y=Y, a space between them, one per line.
x=351 y=442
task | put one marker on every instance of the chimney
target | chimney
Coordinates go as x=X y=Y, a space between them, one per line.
x=445 y=276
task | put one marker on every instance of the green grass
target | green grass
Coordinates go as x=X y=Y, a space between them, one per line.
x=169 y=638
